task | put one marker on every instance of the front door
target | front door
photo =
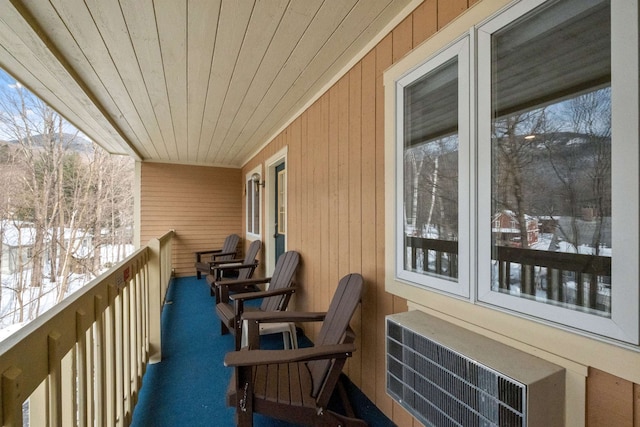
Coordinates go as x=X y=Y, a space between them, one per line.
x=280 y=213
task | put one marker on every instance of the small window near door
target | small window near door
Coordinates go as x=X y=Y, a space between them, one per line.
x=282 y=213
x=252 y=191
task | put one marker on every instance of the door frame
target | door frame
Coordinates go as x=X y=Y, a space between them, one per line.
x=269 y=209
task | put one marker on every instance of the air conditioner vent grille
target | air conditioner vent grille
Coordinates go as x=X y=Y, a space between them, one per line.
x=441 y=386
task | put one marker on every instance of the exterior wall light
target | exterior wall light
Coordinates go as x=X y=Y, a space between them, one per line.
x=256 y=180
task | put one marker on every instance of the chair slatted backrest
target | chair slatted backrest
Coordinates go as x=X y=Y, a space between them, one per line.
x=335 y=325
x=230 y=246
x=249 y=258
x=282 y=277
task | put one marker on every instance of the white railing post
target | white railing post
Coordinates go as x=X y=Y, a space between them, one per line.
x=155 y=301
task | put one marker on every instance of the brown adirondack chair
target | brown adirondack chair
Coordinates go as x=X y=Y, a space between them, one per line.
x=227 y=252
x=242 y=269
x=230 y=307
x=296 y=385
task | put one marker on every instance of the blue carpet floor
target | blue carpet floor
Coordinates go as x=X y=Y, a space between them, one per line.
x=188 y=387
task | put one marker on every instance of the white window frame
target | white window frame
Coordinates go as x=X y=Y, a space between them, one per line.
x=623 y=326
x=624 y=321
x=460 y=287
x=250 y=188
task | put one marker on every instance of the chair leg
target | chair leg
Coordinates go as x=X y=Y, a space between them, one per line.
x=293 y=336
x=244 y=397
x=238 y=337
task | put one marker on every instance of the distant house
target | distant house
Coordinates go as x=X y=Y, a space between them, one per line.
x=505 y=229
x=17 y=240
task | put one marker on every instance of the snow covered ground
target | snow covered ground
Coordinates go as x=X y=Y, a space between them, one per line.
x=18 y=309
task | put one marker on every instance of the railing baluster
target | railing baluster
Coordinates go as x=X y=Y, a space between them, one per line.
x=579 y=290
x=593 y=291
x=81 y=354
x=136 y=353
x=12 y=397
x=69 y=395
x=414 y=258
x=110 y=361
x=119 y=356
x=126 y=354
x=100 y=372
x=39 y=405
x=55 y=381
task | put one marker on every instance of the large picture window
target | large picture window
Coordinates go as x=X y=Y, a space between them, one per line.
x=433 y=107
x=547 y=150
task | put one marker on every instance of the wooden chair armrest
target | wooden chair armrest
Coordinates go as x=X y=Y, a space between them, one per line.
x=233 y=267
x=208 y=251
x=240 y=283
x=226 y=261
x=267 y=357
x=283 y=316
x=217 y=254
x=245 y=296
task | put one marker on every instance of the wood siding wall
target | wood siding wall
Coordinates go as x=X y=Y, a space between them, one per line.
x=336 y=199
x=612 y=401
x=202 y=204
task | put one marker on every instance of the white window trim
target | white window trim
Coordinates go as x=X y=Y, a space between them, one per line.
x=269 y=219
x=250 y=235
x=624 y=324
x=460 y=50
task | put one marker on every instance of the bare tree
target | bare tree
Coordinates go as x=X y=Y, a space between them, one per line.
x=66 y=194
x=514 y=145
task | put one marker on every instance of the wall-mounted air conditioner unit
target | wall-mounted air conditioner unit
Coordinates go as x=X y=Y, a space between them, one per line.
x=445 y=375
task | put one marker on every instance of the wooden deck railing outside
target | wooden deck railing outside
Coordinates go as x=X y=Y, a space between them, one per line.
x=576 y=279
x=82 y=362
x=566 y=278
x=432 y=256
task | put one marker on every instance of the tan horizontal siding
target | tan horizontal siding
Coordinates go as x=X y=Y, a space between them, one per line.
x=336 y=195
x=202 y=204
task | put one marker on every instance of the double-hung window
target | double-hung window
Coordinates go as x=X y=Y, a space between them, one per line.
x=520 y=150
x=432 y=141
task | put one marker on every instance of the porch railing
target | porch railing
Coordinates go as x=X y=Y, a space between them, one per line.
x=82 y=362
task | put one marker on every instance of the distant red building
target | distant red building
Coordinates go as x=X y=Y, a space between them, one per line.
x=506 y=229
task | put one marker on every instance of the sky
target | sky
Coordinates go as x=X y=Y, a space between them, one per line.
x=8 y=87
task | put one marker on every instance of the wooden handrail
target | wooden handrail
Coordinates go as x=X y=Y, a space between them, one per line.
x=81 y=363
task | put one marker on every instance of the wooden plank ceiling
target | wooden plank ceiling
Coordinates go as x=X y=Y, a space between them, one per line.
x=185 y=81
